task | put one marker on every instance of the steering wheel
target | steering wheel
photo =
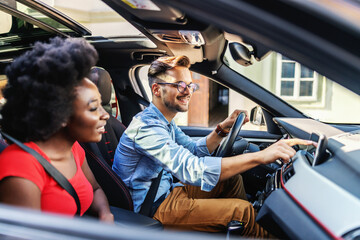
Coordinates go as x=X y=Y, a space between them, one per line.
x=227 y=144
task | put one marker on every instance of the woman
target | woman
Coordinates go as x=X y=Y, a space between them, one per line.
x=50 y=106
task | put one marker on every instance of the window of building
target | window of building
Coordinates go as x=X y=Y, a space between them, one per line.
x=295 y=81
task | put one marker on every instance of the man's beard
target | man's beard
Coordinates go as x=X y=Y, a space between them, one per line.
x=172 y=106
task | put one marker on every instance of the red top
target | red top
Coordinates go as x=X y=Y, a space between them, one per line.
x=16 y=162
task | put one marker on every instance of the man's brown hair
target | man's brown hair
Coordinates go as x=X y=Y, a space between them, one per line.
x=162 y=64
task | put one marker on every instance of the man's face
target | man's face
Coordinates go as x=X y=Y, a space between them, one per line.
x=172 y=99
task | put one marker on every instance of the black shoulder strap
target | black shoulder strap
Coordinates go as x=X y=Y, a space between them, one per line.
x=51 y=170
x=146 y=208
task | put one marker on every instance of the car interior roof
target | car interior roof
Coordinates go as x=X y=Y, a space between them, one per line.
x=339 y=65
x=167 y=20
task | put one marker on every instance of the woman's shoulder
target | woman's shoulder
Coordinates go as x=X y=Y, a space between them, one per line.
x=15 y=153
x=17 y=163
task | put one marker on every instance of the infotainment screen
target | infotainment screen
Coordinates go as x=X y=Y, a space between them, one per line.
x=317 y=152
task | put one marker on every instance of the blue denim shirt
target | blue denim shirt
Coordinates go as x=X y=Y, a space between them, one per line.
x=151 y=144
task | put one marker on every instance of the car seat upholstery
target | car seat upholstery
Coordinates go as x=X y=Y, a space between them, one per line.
x=100 y=155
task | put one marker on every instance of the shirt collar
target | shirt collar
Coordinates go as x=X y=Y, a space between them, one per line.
x=157 y=112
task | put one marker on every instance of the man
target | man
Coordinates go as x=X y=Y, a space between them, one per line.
x=211 y=192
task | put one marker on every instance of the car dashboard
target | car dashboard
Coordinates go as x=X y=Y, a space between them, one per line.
x=297 y=197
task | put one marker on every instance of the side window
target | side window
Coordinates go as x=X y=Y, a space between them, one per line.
x=209 y=105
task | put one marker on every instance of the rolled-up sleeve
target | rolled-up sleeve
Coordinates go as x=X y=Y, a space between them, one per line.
x=198 y=147
x=211 y=173
x=154 y=140
x=201 y=148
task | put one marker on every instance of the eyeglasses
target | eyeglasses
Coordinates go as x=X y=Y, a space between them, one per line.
x=181 y=86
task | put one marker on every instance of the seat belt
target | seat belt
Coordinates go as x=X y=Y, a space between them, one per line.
x=51 y=170
x=146 y=208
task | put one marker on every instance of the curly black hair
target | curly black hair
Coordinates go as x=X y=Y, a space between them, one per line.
x=40 y=89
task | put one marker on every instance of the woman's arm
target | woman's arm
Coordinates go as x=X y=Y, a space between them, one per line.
x=20 y=192
x=100 y=204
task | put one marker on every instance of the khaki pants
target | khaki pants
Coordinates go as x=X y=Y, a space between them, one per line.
x=189 y=208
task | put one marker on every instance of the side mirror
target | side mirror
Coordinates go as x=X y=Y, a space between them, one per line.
x=257 y=116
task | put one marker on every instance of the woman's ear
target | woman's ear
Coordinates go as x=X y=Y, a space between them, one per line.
x=66 y=122
x=155 y=88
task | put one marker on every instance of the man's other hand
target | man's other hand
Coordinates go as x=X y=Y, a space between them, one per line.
x=281 y=150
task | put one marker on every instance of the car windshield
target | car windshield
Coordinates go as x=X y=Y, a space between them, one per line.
x=306 y=90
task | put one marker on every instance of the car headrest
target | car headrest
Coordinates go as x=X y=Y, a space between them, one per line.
x=101 y=78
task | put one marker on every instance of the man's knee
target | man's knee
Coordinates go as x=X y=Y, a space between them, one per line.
x=244 y=211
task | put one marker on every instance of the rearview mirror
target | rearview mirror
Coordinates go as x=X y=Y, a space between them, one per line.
x=257 y=116
x=240 y=53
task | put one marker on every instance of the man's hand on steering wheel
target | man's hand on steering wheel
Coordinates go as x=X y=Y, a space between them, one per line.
x=229 y=121
x=237 y=119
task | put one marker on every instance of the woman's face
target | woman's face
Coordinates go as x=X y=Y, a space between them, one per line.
x=87 y=123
